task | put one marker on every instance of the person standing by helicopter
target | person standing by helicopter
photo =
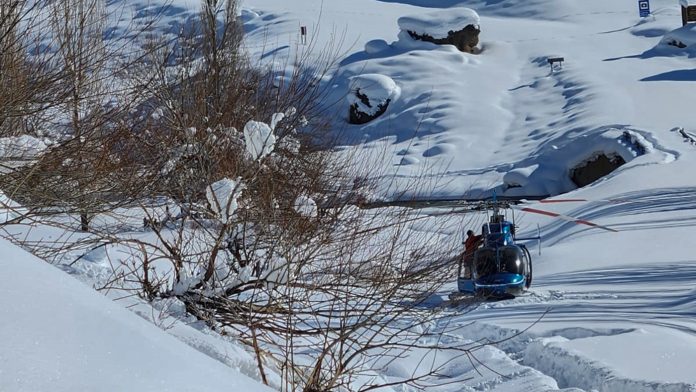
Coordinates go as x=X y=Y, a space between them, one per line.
x=471 y=243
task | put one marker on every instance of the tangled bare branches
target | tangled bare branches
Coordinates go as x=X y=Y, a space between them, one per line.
x=203 y=171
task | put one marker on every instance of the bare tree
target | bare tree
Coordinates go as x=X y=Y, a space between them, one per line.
x=84 y=171
x=27 y=83
x=12 y=69
x=78 y=26
x=28 y=90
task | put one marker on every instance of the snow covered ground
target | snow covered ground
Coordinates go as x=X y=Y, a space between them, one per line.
x=612 y=312
x=621 y=306
x=475 y=119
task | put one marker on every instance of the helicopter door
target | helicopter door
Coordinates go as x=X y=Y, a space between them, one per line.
x=485 y=262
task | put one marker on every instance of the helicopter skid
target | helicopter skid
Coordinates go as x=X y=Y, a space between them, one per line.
x=488 y=292
x=500 y=284
x=499 y=294
x=468 y=298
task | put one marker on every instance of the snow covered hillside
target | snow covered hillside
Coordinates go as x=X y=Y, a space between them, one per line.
x=59 y=335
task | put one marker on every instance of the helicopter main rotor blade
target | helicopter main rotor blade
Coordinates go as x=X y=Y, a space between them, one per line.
x=550 y=201
x=611 y=201
x=567 y=218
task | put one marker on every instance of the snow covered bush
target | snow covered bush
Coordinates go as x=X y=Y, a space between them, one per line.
x=259 y=139
x=222 y=197
x=306 y=206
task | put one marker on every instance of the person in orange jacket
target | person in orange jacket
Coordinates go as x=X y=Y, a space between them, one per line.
x=471 y=243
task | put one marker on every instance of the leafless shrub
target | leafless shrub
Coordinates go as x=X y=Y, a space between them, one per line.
x=319 y=288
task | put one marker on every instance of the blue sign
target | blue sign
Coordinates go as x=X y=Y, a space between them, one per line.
x=644 y=8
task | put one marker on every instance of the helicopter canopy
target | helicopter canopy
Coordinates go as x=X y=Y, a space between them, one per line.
x=504 y=259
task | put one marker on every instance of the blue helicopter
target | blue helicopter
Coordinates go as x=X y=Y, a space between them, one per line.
x=501 y=267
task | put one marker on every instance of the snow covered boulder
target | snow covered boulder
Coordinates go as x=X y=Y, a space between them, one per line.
x=577 y=162
x=683 y=38
x=306 y=206
x=450 y=26
x=369 y=96
x=376 y=46
x=17 y=151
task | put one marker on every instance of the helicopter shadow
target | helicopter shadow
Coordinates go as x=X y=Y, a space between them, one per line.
x=654 y=292
x=655 y=52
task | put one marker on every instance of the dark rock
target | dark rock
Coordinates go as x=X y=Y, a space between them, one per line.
x=359 y=117
x=595 y=168
x=465 y=40
x=676 y=43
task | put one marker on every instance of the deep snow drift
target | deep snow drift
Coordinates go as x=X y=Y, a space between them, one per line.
x=59 y=335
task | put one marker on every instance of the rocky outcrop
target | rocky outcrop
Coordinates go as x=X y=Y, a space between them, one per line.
x=358 y=116
x=458 y=26
x=466 y=40
x=595 y=168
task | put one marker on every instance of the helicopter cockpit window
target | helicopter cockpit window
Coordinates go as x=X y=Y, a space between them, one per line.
x=512 y=260
x=484 y=262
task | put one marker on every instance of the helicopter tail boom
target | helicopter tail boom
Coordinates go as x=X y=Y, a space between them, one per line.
x=568 y=218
